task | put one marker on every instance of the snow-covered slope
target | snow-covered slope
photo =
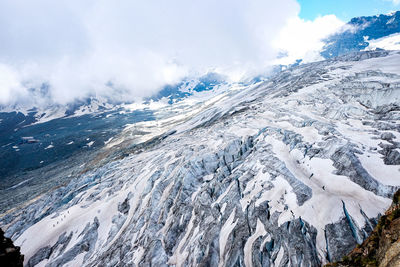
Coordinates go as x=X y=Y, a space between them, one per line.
x=292 y=171
x=61 y=133
x=391 y=42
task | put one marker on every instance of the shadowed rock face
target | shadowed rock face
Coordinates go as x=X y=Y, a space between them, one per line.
x=293 y=171
x=10 y=255
x=382 y=247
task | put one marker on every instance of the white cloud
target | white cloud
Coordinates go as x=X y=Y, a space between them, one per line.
x=395 y=2
x=130 y=48
x=302 y=39
x=10 y=84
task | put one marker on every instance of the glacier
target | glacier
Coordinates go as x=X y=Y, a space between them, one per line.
x=291 y=171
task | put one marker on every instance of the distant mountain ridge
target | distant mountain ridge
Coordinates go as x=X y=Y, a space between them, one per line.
x=359 y=31
x=356 y=36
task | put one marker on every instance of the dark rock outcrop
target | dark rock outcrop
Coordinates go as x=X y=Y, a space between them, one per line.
x=10 y=255
x=382 y=248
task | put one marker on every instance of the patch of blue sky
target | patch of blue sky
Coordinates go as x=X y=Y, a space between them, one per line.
x=346 y=9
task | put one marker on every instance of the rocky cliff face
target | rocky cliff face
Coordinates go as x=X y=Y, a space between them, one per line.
x=382 y=248
x=293 y=171
x=10 y=255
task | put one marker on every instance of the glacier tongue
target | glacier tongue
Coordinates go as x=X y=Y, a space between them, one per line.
x=292 y=171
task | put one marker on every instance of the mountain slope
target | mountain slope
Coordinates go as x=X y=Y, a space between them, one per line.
x=37 y=148
x=360 y=32
x=292 y=171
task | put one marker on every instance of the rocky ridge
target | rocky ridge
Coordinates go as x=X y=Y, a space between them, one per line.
x=382 y=248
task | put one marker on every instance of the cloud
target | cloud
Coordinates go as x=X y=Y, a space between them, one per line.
x=395 y=2
x=303 y=39
x=9 y=83
x=128 y=49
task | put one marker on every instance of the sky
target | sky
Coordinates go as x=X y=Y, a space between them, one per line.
x=129 y=49
x=346 y=9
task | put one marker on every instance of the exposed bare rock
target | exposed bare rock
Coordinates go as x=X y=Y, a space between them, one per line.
x=382 y=248
x=10 y=255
